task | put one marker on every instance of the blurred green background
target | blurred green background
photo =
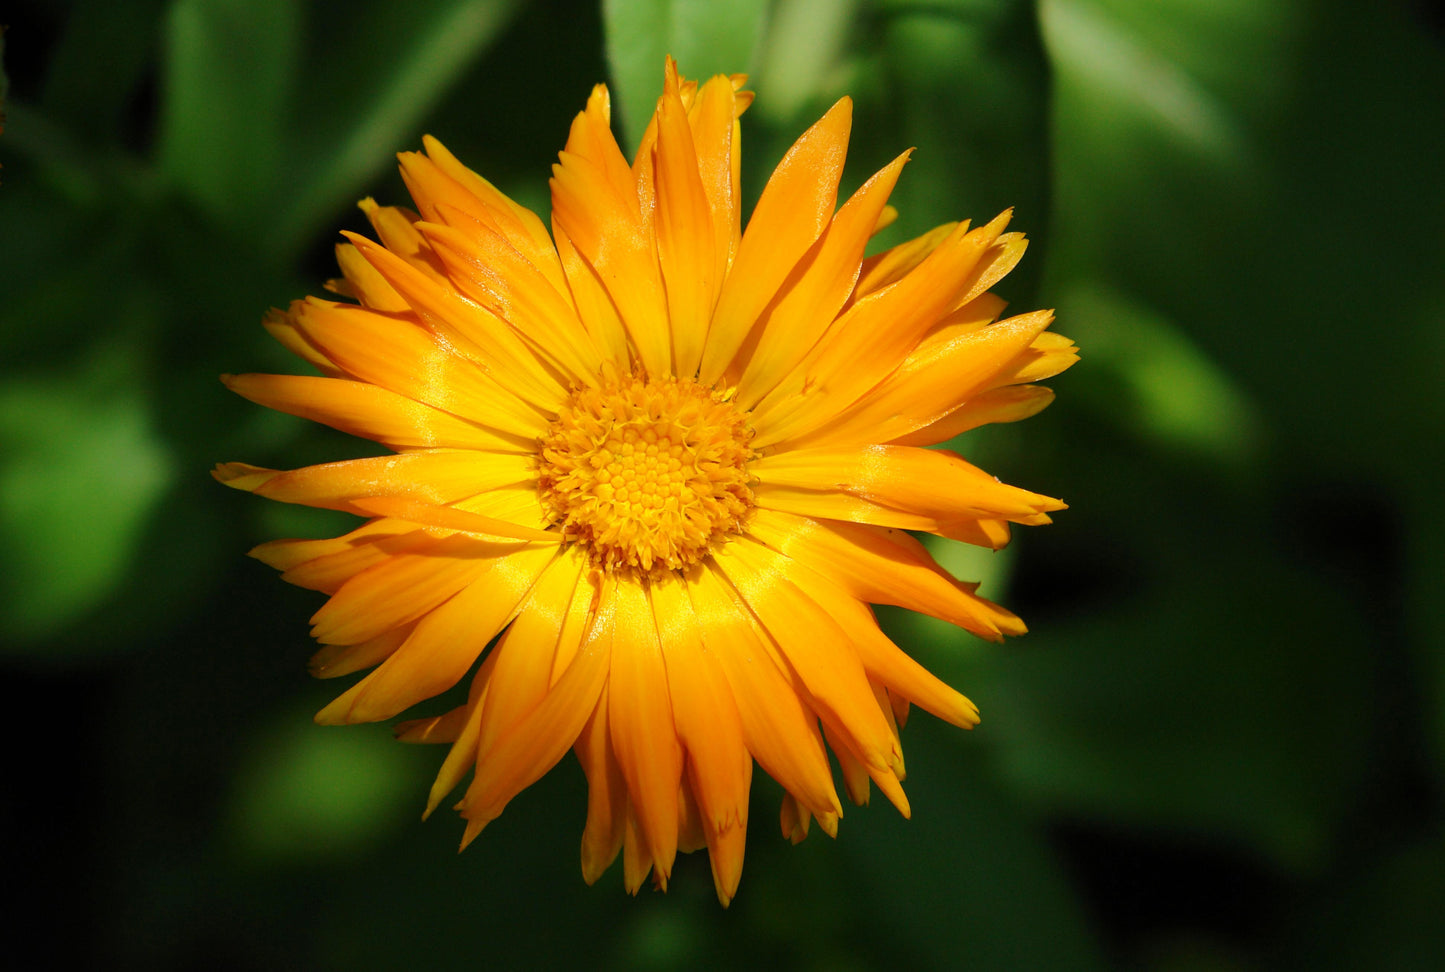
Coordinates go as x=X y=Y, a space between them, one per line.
x=1222 y=746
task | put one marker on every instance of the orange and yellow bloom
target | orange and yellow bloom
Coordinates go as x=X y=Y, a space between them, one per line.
x=666 y=464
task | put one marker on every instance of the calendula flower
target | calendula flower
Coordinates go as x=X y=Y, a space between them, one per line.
x=666 y=464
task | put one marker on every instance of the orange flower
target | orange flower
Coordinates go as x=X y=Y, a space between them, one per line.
x=666 y=464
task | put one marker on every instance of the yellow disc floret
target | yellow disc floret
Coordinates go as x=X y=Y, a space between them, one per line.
x=649 y=474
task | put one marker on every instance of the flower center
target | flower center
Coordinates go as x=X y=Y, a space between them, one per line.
x=649 y=474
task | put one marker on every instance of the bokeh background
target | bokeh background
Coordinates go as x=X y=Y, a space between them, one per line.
x=1220 y=749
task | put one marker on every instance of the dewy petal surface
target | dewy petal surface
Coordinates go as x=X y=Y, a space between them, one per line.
x=646 y=474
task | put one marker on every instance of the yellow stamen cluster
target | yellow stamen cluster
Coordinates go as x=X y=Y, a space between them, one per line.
x=649 y=474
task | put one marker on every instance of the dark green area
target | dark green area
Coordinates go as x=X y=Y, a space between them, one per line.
x=1221 y=747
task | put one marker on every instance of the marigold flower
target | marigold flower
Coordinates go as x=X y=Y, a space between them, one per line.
x=667 y=464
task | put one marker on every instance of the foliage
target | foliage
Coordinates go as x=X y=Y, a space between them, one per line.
x=1221 y=747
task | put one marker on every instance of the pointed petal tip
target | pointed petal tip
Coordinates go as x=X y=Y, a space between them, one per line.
x=333 y=714
x=474 y=829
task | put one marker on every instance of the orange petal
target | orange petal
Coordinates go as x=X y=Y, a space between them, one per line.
x=520 y=225
x=365 y=284
x=686 y=239
x=793 y=211
x=713 y=117
x=333 y=661
x=471 y=331
x=509 y=762
x=607 y=231
x=880 y=566
x=395 y=227
x=462 y=755
x=644 y=736
x=369 y=411
x=289 y=554
x=606 y=794
x=888 y=664
x=444 y=645
x=1011 y=403
x=815 y=291
x=551 y=622
x=488 y=269
x=436 y=476
x=929 y=482
x=778 y=727
x=402 y=588
x=817 y=648
x=282 y=326
x=932 y=382
x=878 y=332
x=719 y=768
x=594 y=306
x=407 y=359
x=453 y=518
x=895 y=263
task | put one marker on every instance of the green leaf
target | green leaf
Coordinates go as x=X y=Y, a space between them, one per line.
x=230 y=67
x=969 y=89
x=1221 y=698
x=100 y=60
x=1150 y=376
x=705 y=37
x=353 y=116
x=805 y=51
x=304 y=794
x=81 y=470
x=969 y=880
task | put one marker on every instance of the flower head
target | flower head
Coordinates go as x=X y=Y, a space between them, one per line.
x=666 y=464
